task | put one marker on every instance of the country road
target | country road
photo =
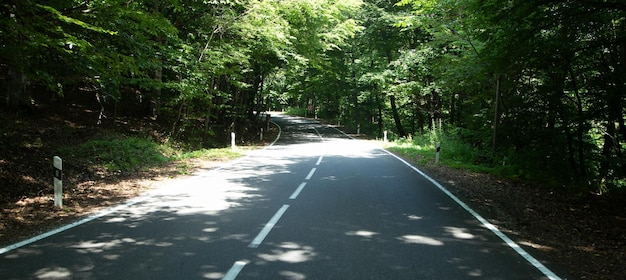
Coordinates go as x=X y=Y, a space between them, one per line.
x=315 y=205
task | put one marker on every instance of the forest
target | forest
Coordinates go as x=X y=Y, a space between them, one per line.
x=536 y=84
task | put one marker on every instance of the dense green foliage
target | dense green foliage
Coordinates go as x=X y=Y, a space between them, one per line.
x=127 y=154
x=540 y=83
x=120 y=155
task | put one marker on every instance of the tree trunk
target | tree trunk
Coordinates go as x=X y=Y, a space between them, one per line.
x=396 y=116
x=580 y=126
x=380 y=112
x=419 y=112
x=18 y=96
x=355 y=94
x=453 y=109
x=153 y=107
x=357 y=112
x=496 y=118
x=609 y=144
x=437 y=112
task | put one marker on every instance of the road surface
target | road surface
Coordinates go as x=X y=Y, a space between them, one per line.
x=315 y=205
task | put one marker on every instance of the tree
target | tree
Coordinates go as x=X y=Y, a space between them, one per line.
x=547 y=76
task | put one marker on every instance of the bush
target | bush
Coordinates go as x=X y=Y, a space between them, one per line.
x=454 y=151
x=459 y=151
x=295 y=111
x=126 y=154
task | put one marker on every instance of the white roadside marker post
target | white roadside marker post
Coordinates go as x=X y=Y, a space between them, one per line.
x=232 y=141
x=438 y=152
x=385 y=137
x=58 y=181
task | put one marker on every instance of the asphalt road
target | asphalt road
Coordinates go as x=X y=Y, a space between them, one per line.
x=315 y=205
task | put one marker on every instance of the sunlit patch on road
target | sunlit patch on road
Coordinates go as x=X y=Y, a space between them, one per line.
x=460 y=233
x=292 y=275
x=414 y=217
x=362 y=233
x=291 y=253
x=419 y=239
x=53 y=273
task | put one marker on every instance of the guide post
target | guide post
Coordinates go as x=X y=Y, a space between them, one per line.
x=58 y=181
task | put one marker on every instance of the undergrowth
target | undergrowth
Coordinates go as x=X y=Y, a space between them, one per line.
x=529 y=166
x=454 y=152
x=296 y=111
x=127 y=154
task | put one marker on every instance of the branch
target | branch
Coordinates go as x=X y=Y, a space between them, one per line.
x=71 y=20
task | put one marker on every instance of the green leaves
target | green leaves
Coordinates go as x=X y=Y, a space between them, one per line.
x=419 y=64
x=58 y=15
x=120 y=155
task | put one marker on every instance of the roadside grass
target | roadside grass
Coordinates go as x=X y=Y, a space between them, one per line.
x=454 y=153
x=128 y=154
x=219 y=154
x=295 y=111
x=533 y=166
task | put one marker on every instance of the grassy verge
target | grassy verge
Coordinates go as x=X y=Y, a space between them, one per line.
x=295 y=111
x=454 y=153
x=127 y=154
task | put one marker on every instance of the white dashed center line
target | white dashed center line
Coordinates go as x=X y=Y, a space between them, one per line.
x=234 y=270
x=308 y=177
x=268 y=227
x=238 y=266
x=297 y=192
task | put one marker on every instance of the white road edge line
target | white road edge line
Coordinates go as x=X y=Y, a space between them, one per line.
x=280 y=131
x=350 y=137
x=268 y=227
x=125 y=205
x=308 y=177
x=546 y=271
x=297 y=192
x=319 y=134
x=234 y=270
x=75 y=224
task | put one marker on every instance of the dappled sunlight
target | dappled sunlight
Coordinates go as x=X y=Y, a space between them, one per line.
x=414 y=217
x=469 y=271
x=292 y=275
x=111 y=257
x=549 y=248
x=213 y=275
x=178 y=220
x=53 y=273
x=206 y=200
x=211 y=229
x=205 y=222
x=350 y=148
x=24 y=253
x=419 y=239
x=362 y=233
x=474 y=272
x=460 y=233
x=93 y=247
x=285 y=155
x=289 y=252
